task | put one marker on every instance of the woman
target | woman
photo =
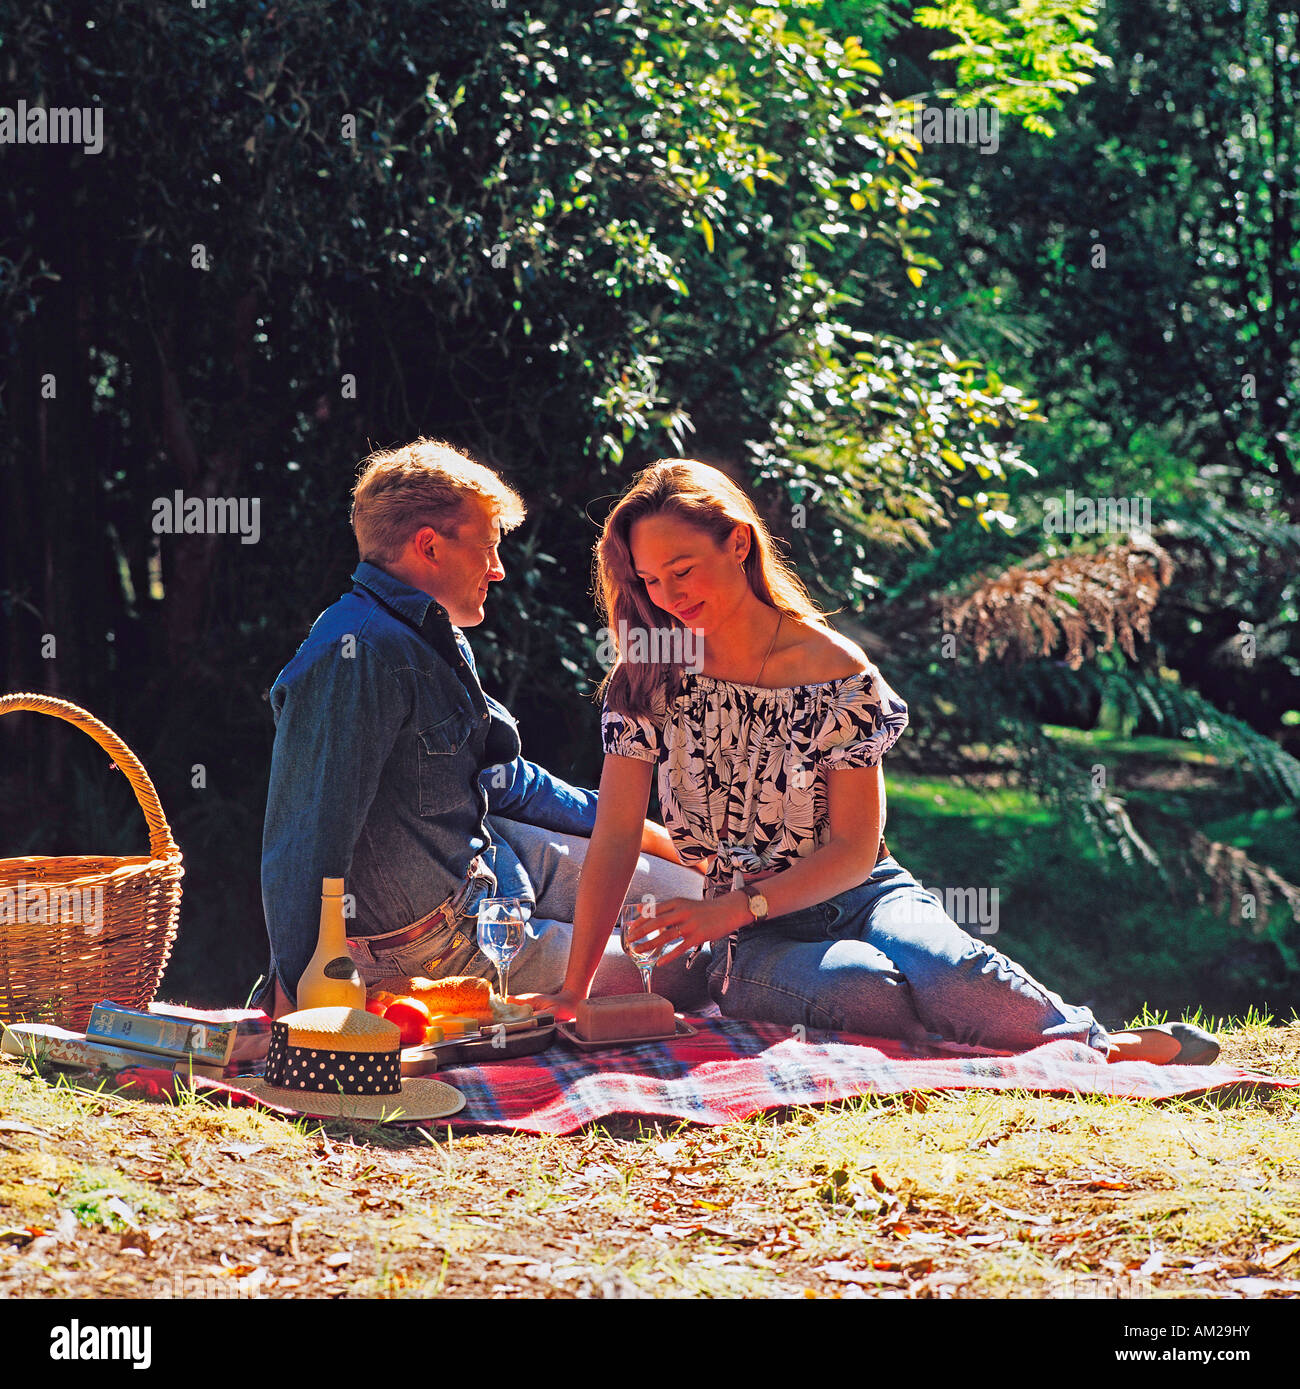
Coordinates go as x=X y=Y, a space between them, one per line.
x=768 y=753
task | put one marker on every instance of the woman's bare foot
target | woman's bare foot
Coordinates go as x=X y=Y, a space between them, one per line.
x=1157 y=1047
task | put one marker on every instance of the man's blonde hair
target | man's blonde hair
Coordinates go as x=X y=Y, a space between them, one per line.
x=423 y=483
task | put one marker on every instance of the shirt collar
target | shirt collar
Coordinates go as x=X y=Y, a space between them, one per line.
x=413 y=604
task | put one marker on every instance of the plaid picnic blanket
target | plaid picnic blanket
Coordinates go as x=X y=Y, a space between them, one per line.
x=730 y=1070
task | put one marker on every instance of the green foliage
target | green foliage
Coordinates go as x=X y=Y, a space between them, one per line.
x=1020 y=63
x=572 y=241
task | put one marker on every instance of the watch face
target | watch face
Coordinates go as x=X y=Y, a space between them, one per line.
x=758 y=905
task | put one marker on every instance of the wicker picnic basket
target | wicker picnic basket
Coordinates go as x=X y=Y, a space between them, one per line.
x=113 y=918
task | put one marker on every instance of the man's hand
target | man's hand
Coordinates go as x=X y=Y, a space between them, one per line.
x=563 y=1003
x=657 y=841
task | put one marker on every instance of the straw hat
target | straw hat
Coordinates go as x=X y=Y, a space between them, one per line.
x=347 y=1064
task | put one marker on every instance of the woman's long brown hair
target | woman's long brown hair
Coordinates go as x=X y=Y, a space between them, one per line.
x=707 y=499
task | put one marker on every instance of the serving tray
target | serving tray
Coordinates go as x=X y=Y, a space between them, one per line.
x=474 y=1051
x=568 y=1031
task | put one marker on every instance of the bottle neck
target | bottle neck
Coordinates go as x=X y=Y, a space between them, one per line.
x=333 y=929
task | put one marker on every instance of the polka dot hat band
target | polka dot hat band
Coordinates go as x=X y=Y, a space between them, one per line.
x=332 y=1071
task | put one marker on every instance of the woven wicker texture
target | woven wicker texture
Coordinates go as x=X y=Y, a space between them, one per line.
x=83 y=928
x=347 y=1029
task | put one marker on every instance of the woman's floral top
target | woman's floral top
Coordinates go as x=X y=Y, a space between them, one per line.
x=742 y=769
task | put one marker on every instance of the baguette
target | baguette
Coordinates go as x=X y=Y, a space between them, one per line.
x=462 y=994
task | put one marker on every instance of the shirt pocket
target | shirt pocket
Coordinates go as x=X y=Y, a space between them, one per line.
x=446 y=770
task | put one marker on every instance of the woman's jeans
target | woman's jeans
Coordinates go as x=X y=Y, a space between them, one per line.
x=885 y=960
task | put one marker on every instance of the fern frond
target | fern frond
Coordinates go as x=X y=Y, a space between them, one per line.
x=1235 y=875
x=1110 y=593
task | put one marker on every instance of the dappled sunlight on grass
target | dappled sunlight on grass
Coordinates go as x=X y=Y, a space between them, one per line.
x=966 y=1194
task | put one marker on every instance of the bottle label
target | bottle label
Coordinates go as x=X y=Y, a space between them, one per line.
x=341 y=967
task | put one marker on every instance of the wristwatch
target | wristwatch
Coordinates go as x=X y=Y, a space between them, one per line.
x=757 y=904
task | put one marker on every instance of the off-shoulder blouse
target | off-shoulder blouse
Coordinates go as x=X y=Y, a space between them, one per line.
x=742 y=769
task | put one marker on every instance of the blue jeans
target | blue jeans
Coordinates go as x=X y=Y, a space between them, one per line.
x=552 y=862
x=884 y=959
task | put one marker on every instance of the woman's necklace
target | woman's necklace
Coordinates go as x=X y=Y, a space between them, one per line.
x=780 y=618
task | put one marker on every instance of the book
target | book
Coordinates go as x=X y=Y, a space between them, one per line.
x=62 y=1047
x=208 y=1043
x=252 y=1028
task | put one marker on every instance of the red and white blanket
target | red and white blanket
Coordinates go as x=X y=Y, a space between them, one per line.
x=730 y=1070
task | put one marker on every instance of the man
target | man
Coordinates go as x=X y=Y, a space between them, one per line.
x=393 y=770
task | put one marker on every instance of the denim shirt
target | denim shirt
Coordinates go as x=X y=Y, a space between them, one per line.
x=388 y=755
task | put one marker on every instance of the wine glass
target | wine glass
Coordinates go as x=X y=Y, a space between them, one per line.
x=644 y=952
x=501 y=922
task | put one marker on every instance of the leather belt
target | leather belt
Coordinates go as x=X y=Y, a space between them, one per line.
x=448 y=911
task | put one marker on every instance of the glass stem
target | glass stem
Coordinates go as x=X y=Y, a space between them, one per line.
x=503 y=974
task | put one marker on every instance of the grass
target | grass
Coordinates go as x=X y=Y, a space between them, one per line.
x=967 y=1194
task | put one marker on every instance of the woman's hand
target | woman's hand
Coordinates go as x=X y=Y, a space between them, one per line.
x=563 y=1003
x=685 y=924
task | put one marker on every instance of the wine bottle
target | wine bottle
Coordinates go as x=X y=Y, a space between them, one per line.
x=331 y=979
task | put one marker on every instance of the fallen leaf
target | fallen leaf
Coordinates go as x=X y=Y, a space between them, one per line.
x=1254 y=1287
x=1026 y=1216
x=241 y=1151
x=941 y=1284
x=136 y=1239
x=1276 y=1257
x=845 y=1273
x=119 y=1208
x=339 y=1259
x=13 y=1126
x=992 y=1139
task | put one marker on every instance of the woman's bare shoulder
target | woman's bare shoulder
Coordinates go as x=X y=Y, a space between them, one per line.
x=817 y=654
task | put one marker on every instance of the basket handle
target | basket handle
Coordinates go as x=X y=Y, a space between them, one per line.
x=161 y=843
